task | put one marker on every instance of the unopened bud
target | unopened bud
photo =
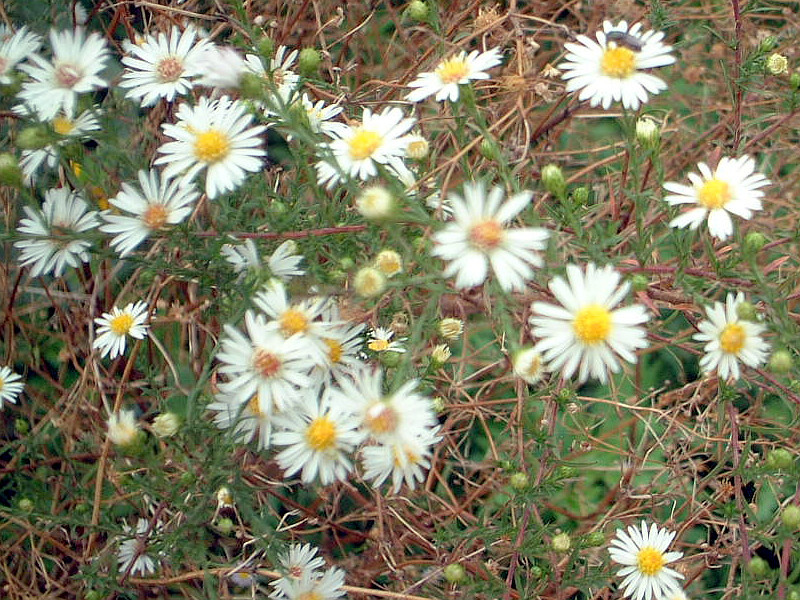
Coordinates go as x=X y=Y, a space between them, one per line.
x=781 y=362
x=10 y=172
x=777 y=64
x=455 y=573
x=553 y=180
x=309 y=61
x=561 y=542
x=369 y=282
x=746 y=311
x=418 y=11
x=648 y=133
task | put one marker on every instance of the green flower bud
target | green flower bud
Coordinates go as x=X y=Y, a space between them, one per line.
x=754 y=241
x=309 y=61
x=768 y=44
x=565 y=472
x=640 y=282
x=758 y=567
x=251 y=86
x=266 y=46
x=561 y=542
x=10 y=173
x=781 y=362
x=794 y=594
x=224 y=526
x=780 y=459
x=346 y=263
x=519 y=481
x=648 y=133
x=186 y=478
x=437 y=402
x=390 y=360
x=553 y=180
x=794 y=80
x=536 y=572
x=580 y=196
x=166 y=424
x=565 y=395
x=790 y=516
x=746 y=311
x=26 y=505
x=489 y=149
x=455 y=573
x=594 y=539
x=93 y=595
x=417 y=11
x=33 y=138
x=22 y=426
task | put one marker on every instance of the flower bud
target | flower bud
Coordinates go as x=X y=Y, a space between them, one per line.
x=580 y=196
x=10 y=172
x=124 y=431
x=450 y=328
x=21 y=426
x=224 y=497
x=390 y=360
x=251 y=86
x=369 y=282
x=375 y=203
x=33 y=138
x=754 y=241
x=166 y=424
x=26 y=505
x=746 y=311
x=417 y=147
x=561 y=543
x=553 y=180
x=438 y=404
x=309 y=61
x=389 y=262
x=779 y=459
x=640 y=282
x=781 y=362
x=266 y=46
x=455 y=573
x=224 y=526
x=594 y=539
x=768 y=44
x=790 y=516
x=528 y=365
x=489 y=149
x=417 y=11
x=648 y=133
x=758 y=567
x=794 y=80
x=440 y=355
x=519 y=481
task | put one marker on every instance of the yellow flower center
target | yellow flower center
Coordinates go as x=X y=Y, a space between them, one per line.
x=650 y=560
x=254 y=406
x=592 y=324
x=405 y=452
x=335 y=350
x=266 y=363
x=364 y=143
x=121 y=324
x=211 y=146
x=169 y=69
x=732 y=338
x=381 y=418
x=618 y=62
x=452 y=70
x=486 y=235
x=155 y=216
x=62 y=125
x=293 y=321
x=378 y=345
x=714 y=193
x=321 y=434
x=312 y=595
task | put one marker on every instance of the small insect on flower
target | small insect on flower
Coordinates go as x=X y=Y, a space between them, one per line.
x=626 y=40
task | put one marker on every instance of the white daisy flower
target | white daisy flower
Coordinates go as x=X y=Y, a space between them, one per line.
x=115 y=327
x=479 y=237
x=327 y=586
x=214 y=135
x=132 y=555
x=11 y=386
x=730 y=339
x=380 y=340
x=731 y=188
x=163 y=66
x=643 y=552
x=279 y=77
x=452 y=72
x=586 y=332
x=301 y=319
x=406 y=461
x=301 y=562
x=222 y=67
x=14 y=48
x=612 y=69
x=284 y=262
x=244 y=416
x=398 y=417
x=243 y=256
x=159 y=204
x=528 y=365
x=53 y=233
x=76 y=64
x=319 y=114
x=319 y=434
x=263 y=362
x=343 y=350
x=379 y=139
x=68 y=129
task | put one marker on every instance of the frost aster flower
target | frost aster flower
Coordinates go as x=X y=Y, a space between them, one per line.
x=643 y=552
x=115 y=327
x=452 y=72
x=730 y=340
x=214 y=135
x=10 y=386
x=733 y=187
x=612 y=67
x=479 y=237
x=586 y=332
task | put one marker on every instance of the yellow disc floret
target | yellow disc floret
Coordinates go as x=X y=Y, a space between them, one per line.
x=293 y=321
x=155 y=216
x=732 y=338
x=62 y=125
x=266 y=363
x=321 y=434
x=121 y=324
x=650 y=560
x=364 y=143
x=592 y=324
x=486 y=235
x=211 y=146
x=714 y=193
x=452 y=70
x=618 y=62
